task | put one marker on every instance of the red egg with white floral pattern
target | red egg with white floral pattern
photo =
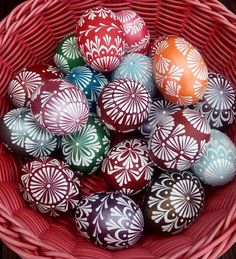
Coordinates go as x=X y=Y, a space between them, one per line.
x=60 y=107
x=178 y=141
x=49 y=186
x=26 y=82
x=127 y=167
x=100 y=39
x=137 y=35
x=123 y=105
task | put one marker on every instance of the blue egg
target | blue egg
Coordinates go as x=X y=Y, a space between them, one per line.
x=90 y=81
x=218 y=165
x=139 y=68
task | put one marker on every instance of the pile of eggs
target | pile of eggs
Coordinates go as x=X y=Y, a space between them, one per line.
x=148 y=118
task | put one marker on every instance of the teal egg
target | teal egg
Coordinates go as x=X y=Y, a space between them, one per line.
x=90 y=82
x=137 y=67
x=86 y=149
x=218 y=165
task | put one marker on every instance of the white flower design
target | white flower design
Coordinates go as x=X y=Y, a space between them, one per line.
x=61 y=63
x=182 y=45
x=173 y=88
x=175 y=73
x=197 y=120
x=197 y=64
x=126 y=16
x=70 y=48
x=199 y=89
x=134 y=27
x=17 y=93
x=14 y=119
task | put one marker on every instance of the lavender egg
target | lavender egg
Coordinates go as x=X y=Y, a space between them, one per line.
x=110 y=220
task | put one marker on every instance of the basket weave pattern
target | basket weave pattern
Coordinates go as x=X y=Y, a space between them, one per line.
x=29 y=36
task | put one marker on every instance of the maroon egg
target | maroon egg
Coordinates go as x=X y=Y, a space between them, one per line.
x=123 y=105
x=110 y=220
x=60 y=107
x=49 y=186
x=178 y=141
x=127 y=167
x=137 y=35
x=26 y=82
x=100 y=39
x=173 y=202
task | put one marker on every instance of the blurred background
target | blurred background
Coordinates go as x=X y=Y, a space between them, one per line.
x=5 y=8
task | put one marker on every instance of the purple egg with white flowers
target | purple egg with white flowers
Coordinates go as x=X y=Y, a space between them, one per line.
x=110 y=220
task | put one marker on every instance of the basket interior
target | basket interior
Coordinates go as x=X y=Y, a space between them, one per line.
x=29 y=36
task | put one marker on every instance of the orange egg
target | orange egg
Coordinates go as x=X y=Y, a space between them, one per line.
x=179 y=71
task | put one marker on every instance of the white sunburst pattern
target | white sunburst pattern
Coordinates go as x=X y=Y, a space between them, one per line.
x=126 y=16
x=164 y=127
x=175 y=73
x=197 y=64
x=17 y=93
x=69 y=47
x=14 y=119
x=134 y=27
x=197 y=120
x=61 y=63
x=199 y=89
x=182 y=45
x=220 y=93
x=173 y=88
x=184 y=100
x=139 y=46
x=162 y=46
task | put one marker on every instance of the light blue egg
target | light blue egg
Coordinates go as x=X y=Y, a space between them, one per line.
x=90 y=81
x=218 y=165
x=139 y=68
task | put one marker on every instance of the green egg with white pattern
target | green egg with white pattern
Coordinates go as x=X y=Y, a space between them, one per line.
x=67 y=54
x=85 y=149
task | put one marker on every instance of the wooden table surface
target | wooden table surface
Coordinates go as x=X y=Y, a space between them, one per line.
x=5 y=7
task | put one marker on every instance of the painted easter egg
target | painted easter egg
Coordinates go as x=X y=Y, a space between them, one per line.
x=219 y=102
x=100 y=39
x=60 y=107
x=137 y=35
x=154 y=46
x=26 y=82
x=159 y=109
x=178 y=141
x=110 y=220
x=137 y=67
x=173 y=202
x=22 y=135
x=67 y=54
x=49 y=186
x=127 y=167
x=123 y=105
x=218 y=165
x=86 y=148
x=90 y=82
x=179 y=71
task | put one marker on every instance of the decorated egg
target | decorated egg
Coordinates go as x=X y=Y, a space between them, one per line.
x=218 y=166
x=49 y=186
x=137 y=67
x=178 y=141
x=86 y=148
x=173 y=202
x=123 y=105
x=90 y=82
x=21 y=134
x=60 y=107
x=26 y=82
x=154 y=46
x=110 y=220
x=67 y=54
x=100 y=39
x=127 y=167
x=159 y=109
x=137 y=35
x=179 y=71
x=219 y=102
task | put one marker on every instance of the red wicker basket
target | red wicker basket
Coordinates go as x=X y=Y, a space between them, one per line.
x=28 y=36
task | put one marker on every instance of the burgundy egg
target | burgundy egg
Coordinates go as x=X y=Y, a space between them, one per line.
x=100 y=39
x=26 y=82
x=60 y=107
x=137 y=35
x=49 y=186
x=173 y=202
x=178 y=141
x=127 y=167
x=123 y=105
x=110 y=220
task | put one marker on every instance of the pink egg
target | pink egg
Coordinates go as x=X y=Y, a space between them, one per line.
x=60 y=107
x=178 y=141
x=137 y=35
x=100 y=39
